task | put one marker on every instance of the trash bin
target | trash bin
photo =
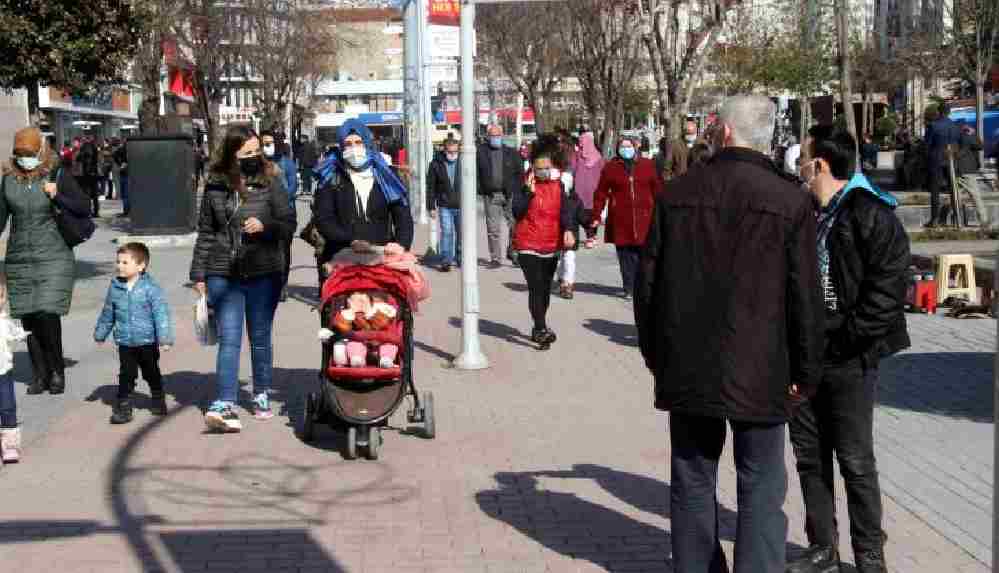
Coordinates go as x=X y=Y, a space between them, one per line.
x=161 y=185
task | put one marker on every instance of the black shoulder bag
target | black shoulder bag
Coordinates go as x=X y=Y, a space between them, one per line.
x=74 y=230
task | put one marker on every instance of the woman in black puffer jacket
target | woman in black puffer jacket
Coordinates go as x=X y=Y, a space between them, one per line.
x=238 y=262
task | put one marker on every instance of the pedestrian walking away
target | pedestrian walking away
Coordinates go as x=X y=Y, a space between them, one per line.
x=735 y=230
x=135 y=308
x=500 y=175
x=943 y=136
x=238 y=263
x=121 y=160
x=86 y=169
x=545 y=215
x=863 y=254
x=444 y=202
x=307 y=161
x=360 y=198
x=10 y=432
x=40 y=265
x=277 y=153
x=627 y=187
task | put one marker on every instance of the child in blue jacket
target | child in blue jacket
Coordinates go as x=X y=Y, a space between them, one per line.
x=138 y=312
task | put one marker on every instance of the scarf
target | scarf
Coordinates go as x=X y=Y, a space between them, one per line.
x=588 y=152
x=390 y=185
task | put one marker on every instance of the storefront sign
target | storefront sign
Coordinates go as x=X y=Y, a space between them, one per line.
x=445 y=12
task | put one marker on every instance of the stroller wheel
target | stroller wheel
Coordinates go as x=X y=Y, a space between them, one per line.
x=429 y=423
x=374 y=442
x=307 y=422
x=351 y=453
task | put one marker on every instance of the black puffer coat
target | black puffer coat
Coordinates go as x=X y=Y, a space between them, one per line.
x=222 y=248
x=868 y=261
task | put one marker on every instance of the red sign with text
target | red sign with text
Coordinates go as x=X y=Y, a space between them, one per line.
x=445 y=12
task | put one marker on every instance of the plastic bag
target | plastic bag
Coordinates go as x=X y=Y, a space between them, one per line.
x=204 y=323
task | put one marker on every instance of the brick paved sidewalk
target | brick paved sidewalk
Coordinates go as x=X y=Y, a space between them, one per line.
x=547 y=462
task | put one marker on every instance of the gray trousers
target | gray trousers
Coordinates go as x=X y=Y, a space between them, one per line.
x=498 y=211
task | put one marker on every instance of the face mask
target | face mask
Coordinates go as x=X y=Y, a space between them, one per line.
x=626 y=152
x=250 y=166
x=451 y=157
x=29 y=163
x=495 y=141
x=356 y=156
x=554 y=174
x=543 y=174
x=810 y=178
x=269 y=150
x=691 y=138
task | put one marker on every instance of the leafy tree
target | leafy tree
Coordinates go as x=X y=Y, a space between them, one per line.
x=68 y=44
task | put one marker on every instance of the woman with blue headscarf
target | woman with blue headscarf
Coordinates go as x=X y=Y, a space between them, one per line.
x=360 y=198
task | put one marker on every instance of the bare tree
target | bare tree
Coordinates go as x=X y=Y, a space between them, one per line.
x=158 y=17
x=679 y=35
x=845 y=70
x=974 y=37
x=288 y=45
x=605 y=58
x=524 y=41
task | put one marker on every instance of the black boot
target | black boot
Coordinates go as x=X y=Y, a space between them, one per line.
x=818 y=559
x=122 y=412
x=871 y=562
x=39 y=366
x=157 y=406
x=55 y=356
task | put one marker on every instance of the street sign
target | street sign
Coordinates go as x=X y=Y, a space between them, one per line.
x=445 y=12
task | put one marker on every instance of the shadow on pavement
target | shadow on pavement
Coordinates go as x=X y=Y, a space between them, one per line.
x=581 y=529
x=22 y=371
x=598 y=289
x=434 y=351
x=249 y=549
x=953 y=384
x=497 y=330
x=617 y=332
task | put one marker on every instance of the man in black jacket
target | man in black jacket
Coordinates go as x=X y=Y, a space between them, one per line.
x=729 y=314
x=941 y=134
x=444 y=202
x=863 y=257
x=501 y=174
x=307 y=159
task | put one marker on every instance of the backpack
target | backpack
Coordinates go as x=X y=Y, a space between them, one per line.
x=74 y=229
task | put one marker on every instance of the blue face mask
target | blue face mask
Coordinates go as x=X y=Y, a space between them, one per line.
x=495 y=141
x=626 y=153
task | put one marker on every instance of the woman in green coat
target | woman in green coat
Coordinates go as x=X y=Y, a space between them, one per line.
x=40 y=267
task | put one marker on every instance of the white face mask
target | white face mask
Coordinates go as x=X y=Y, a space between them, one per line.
x=690 y=137
x=269 y=150
x=356 y=156
x=29 y=163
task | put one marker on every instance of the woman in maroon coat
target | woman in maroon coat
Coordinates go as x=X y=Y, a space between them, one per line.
x=628 y=187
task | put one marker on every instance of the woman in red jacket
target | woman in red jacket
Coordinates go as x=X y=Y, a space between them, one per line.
x=544 y=216
x=628 y=187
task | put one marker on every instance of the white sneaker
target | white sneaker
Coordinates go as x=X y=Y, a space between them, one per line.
x=10 y=445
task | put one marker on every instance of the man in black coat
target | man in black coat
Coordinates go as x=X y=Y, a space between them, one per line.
x=863 y=260
x=307 y=159
x=501 y=174
x=941 y=133
x=729 y=316
x=444 y=202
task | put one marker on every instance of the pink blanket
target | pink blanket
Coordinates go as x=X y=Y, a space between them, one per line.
x=419 y=287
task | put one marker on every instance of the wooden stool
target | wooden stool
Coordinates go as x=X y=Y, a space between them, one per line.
x=956 y=278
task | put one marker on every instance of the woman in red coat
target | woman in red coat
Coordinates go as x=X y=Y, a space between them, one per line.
x=544 y=217
x=628 y=187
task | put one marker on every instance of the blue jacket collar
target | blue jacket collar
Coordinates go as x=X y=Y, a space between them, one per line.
x=860 y=181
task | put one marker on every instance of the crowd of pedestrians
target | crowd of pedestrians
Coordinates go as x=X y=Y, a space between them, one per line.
x=764 y=301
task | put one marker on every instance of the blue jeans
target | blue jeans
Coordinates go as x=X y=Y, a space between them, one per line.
x=450 y=235
x=233 y=300
x=123 y=191
x=8 y=402
x=761 y=529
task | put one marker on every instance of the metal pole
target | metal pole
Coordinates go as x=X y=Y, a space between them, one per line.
x=471 y=357
x=995 y=448
x=425 y=120
x=412 y=102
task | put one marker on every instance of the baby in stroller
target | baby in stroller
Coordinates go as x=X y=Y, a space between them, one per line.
x=365 y=312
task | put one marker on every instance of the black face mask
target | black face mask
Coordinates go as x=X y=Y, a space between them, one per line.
x=250 y=166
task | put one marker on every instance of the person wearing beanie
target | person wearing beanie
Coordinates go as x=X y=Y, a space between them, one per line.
x=40 y=266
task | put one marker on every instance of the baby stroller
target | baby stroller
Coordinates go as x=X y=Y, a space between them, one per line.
x=359 y=398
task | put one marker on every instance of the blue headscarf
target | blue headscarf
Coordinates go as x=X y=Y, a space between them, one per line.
x=393 y=189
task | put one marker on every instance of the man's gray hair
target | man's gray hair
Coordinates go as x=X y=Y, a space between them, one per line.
x=751 y=121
